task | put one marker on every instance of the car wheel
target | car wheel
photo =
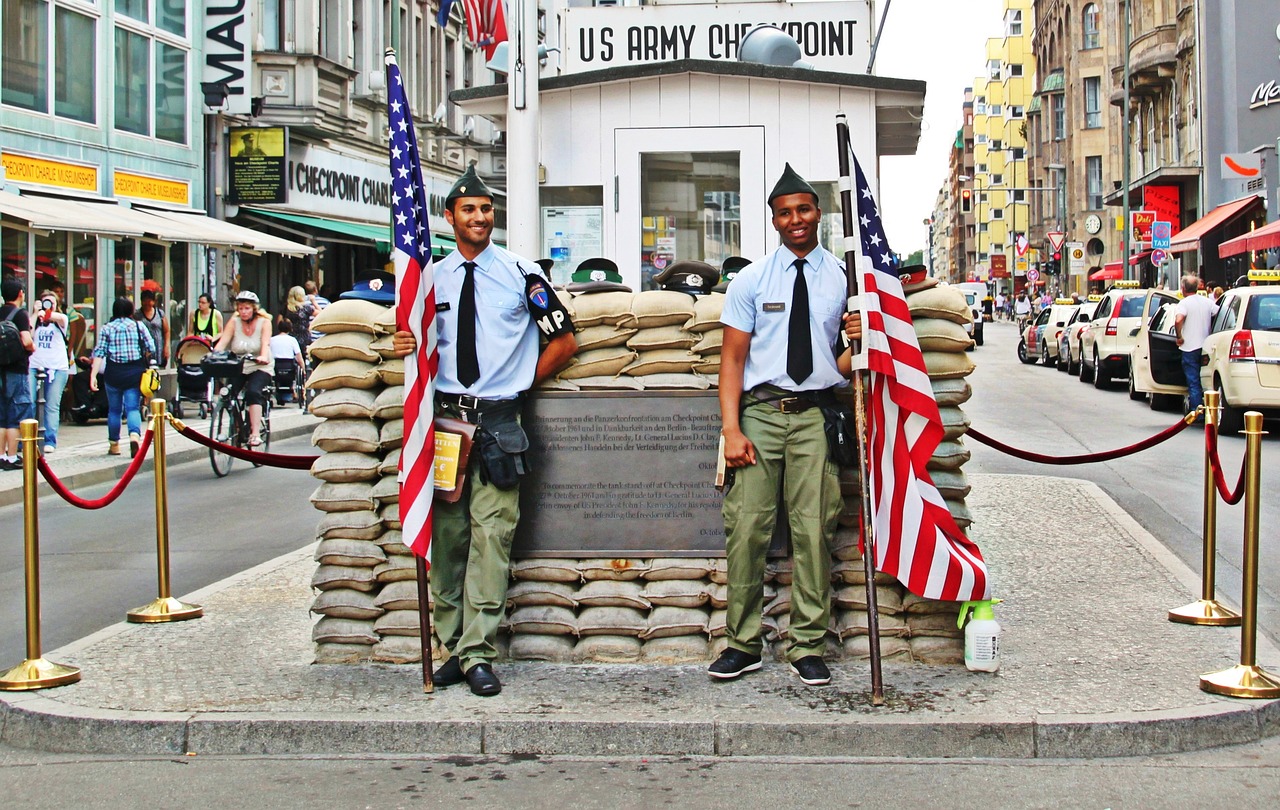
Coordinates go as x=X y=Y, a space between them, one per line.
x=1022 y=352
x=1064 y=359
x=1134 y=393
x=977 y=338
x=1100 y=377
x=1086 y=373
x=1044 y=355
x=1160 y=402
x=1231 y=419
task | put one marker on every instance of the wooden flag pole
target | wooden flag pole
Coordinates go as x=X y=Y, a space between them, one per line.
x=424 y=626
x=851 y=254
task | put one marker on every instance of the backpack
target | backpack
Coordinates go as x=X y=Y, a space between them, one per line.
x=12 y=352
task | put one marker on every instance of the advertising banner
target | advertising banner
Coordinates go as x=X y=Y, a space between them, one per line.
x=256 y=164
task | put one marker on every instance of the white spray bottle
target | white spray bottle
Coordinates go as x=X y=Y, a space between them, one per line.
x=981 y=635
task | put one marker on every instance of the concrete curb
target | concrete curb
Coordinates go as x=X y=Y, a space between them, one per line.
x=112 y=470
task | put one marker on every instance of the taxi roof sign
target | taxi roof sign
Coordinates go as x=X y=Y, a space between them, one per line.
x=1095 y=297
x=1272 y=274
x=1126 y=284
x=1064 y=301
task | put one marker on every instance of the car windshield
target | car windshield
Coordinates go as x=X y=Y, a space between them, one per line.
x=1131 y=306
x=1263 y=313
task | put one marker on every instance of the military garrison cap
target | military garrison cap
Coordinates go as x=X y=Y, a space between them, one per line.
x=695 y=278
x=791 y=183
x=596 y=275
x=468 y=185
x=728 y=269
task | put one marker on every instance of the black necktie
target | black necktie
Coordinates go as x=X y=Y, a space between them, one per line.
x=799 y=341
x=468 y=365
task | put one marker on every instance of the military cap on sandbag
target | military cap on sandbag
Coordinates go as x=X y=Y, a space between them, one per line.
x=791 y=183
x=728 y=269
x=468 y=185
x=915 y=277
x=596 y=275
x=377 y=286
x=695 y=278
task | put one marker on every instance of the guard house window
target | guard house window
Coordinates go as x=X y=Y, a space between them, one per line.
x=689 y=209
x=27 y=51
x=152 y=70
x=1090 y=29
x=1092 y=102
x=1093 y=180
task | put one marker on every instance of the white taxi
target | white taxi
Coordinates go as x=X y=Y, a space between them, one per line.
x=1155 y=362
x=1113 y=331
x=1060 y=315
x=1242 y=354
x=1069 y=342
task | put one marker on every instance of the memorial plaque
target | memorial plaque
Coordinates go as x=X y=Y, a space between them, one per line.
x=621 y=475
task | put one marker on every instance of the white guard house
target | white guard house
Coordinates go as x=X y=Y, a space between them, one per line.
x=655 y=161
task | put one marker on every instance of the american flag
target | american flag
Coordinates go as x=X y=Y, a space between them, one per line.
x=486 y=22
x=917 y=539
x=416 y=313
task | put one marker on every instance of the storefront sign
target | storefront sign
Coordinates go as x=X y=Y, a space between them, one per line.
x=228 y=59
x=44 y=172
x=142 y=187
x=1142 y=222
x=256 y=164
x=1165 y=201
x=832 y=35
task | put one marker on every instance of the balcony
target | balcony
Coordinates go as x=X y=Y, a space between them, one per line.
x=1153 y=63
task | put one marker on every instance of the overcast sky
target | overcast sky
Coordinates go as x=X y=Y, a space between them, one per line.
x=942 y=42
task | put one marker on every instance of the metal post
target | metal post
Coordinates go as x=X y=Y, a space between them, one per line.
x=164 y=608
x=1124 y=133
x=1247 y=679
x=1207 y=610
x=35 y=672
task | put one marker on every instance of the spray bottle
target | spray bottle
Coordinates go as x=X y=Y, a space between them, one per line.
x=981 y=635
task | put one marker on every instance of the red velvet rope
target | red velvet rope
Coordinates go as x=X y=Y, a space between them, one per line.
x=1211 y=447
x=75 y=500
x=265 y=459
x=1086 y=458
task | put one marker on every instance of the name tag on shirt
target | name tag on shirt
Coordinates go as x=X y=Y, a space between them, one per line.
x=778 y=307
x=442 y=306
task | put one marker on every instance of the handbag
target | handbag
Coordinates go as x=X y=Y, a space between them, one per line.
x=454 y=439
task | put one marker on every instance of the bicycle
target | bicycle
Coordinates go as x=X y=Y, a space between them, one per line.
x=230 y=424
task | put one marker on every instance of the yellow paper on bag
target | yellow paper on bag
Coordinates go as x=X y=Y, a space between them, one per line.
x=448 y=450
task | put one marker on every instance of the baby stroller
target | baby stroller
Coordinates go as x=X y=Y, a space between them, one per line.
x=193 y=383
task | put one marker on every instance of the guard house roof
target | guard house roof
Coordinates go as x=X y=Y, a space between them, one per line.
x=899 y=102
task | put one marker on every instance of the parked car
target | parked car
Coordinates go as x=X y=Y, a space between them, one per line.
x=1069 y=341
x=975 y=307
x=1155 y=362
x=1032 y=339
x=1113 y=330
x=1059 y=313
x=1242 y=355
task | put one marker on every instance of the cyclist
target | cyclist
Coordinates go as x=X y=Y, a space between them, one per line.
x=250 y=334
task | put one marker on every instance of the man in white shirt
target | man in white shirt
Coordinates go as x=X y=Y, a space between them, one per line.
x=1191 y=324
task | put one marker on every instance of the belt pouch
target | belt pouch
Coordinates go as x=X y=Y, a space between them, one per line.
x=838 y=424
x=502 y=444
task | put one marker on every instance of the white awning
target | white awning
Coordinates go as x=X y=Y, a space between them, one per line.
x=251 y=239
x=49 y=214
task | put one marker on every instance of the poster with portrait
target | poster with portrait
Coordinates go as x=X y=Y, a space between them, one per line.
x=256 y=164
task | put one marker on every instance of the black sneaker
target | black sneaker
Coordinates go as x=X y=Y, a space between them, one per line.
x=732 y=664
x=812 y=670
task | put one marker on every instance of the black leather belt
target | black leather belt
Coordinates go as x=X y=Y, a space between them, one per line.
x=472 y=408
x=788 y=401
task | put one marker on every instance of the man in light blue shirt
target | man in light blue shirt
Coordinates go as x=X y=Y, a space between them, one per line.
x=780 y=360
x=491 y=306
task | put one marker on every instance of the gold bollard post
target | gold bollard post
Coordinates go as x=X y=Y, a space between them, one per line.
x=1207 y=610
x=165 y=608
x=1247 y=679
x=35 y=672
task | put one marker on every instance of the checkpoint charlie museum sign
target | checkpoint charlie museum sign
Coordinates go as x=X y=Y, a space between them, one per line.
x=832 y=35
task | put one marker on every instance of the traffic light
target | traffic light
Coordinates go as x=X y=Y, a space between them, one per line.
x=1055 y=266
x=966 y=200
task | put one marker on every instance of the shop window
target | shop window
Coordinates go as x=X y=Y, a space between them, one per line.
x=690 y=209
x=25 y=60
x=83 y=300
x=13 y=249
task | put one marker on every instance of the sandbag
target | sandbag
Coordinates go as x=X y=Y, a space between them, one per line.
x=612 y=593
x=659 y=308
x=954 y=423
x=947 y=365
x=551 y=649
x=949 y=456
x=665 y=622
x=611 y=621
x=598 y=363
x=345 y=551
x=547 y=570
x=661 y=361
x=329 y=577
x=344 y=346
x=678 y=382
x=400 y=595
x=360 y=525
x=604 y=336
x=348 y=315
x=679 y=568
x=608 y=383
x=343 y=497
x=344 y=631
x=343 y=374
x=686 y=593
x=947 y=303
x=389 y=404
x=619 y=569
x=711 y=343
x=951 y=484
x=543 y=620
x=595 y=309
x=346 y=435
x=342 y=403
x=391 y=372
x=951 y=391
x=607 y=650
x=706 y=313
x=530 y=592
x=661 y=337
x=399 y=623
x=397 y=568
x=938 y=335
x=346 y=603
x=674 y=650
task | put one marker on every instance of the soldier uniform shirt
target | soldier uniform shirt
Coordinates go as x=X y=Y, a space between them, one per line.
x=758 y=302
x=506 y=337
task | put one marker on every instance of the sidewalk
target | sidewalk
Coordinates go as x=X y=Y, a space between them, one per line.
x=1091 y=669
x=81 y=459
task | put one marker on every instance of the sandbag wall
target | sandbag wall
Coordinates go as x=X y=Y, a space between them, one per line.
x=627 y=610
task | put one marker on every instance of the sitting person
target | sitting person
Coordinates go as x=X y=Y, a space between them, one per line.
x=247 y=334
x=288 y=356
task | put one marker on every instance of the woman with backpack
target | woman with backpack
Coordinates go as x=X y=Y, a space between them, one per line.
x=50 y=364
x=123 y=352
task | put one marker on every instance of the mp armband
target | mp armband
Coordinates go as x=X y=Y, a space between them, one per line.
x=546 y=308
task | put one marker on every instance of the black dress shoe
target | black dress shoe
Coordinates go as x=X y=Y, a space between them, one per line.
x=482 y=680
x=449 y=673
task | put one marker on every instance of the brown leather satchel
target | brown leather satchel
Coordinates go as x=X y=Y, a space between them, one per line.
x=452 y=436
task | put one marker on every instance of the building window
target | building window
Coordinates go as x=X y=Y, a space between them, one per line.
x=27 y=51
x=997 y=213
x=1018 y=153
x=1058 y=108
x=171 y=93
x=1015 y=70
x=133 y=82
x=1093 y=182
x=1015 y=111
x=1092 y=102
x=997 y=145
x=1013 y=23
x=152 y=71
x=997 y=179
x=1091 y=38
x=993 y=68
x=982 y=138
x=1019 y=196
x=981 y=168
x=995 y=109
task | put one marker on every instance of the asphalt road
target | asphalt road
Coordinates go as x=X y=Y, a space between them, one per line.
x=97 y=565
x=1047 y=411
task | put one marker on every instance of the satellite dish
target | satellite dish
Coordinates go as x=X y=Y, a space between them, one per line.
x=770 y=45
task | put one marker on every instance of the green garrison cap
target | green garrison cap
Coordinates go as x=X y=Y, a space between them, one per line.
x=468 y=185
x=790 y=183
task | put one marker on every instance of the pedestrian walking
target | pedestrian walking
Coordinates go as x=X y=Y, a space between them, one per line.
x=50 y=365
x=16 y=346
x=489 y=359
x=782 y=316
x=1191 y=326
x=119 y=358
x=999 y=305
x=205 y=321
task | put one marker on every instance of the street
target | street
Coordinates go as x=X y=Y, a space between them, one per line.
x=1046 y=411
x=96 y=565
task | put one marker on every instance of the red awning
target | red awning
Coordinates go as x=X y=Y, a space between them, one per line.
x=1111 y=271
x=1189 y=237
x=1137 y=258
x=1264 y=238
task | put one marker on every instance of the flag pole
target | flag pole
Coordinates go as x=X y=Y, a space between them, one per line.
x=851 y=255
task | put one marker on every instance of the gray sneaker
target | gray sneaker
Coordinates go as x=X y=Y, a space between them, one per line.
x=732 y=664
x=812 y=670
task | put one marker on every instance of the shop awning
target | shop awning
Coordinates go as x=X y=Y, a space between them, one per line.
x=1111 y=271
x=1264 y=238
x=378 y=234
x=47 y=214
x=1189 y=237
x=235 y=235
x=1137 y=258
